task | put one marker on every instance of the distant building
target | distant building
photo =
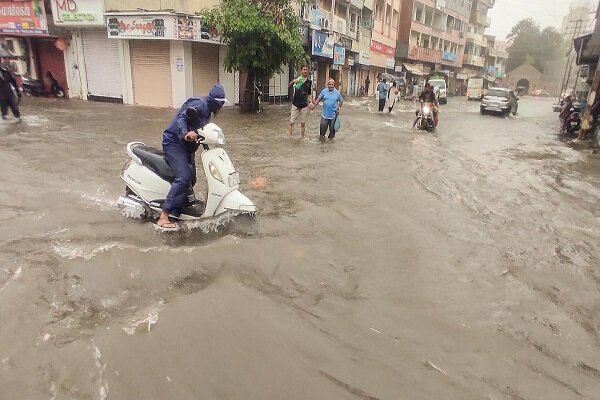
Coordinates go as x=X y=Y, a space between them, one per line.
x=525 y=79
x=580 y=19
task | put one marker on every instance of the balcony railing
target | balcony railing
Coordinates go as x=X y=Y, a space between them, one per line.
x=339 y=25
x=471 y=59
x=423 y=54
x=476 y=38
x=498 y=53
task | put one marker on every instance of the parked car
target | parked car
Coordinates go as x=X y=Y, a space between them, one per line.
x=540 y=93
x=499 y=100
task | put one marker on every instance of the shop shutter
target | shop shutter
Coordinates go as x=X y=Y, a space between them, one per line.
x=102 y=66
x=151 y=72
x=205 y=67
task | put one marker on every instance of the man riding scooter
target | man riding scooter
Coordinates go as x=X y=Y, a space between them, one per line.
x=428 y=96
x=179 y=146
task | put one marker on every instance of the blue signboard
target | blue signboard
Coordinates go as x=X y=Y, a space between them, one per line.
x=322 y=44
x=339 y=55
x=449 y=56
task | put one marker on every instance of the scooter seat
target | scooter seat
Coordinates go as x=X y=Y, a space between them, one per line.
x=154 y=160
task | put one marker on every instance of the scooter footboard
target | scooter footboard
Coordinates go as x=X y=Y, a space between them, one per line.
x=235 y=201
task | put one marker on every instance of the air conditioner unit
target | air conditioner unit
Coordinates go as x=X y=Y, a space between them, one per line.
x=16 y=47
x=324 y=23
x=19 y=67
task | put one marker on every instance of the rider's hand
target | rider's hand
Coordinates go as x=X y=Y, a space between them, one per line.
x=191 y=136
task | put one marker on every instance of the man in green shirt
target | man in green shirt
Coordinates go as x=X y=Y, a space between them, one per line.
x=302 y=90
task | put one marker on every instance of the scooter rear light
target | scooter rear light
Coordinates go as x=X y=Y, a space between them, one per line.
x=126 y=165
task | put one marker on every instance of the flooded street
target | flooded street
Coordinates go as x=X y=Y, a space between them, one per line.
x=389 y=264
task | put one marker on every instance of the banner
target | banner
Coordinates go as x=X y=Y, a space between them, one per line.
x=160 y=26
x=364 y=57
x=382 y=49
x=339 y=55
x=322 y=44
x=78 y=12
x=23 y=18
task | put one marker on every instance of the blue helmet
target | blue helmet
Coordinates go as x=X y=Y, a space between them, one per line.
x=216 y=96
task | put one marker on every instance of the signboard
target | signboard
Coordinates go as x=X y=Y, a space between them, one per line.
x=339 y=55
x=322 y=44
x=141 y=26
x=449 y=56
x=390 y=63
x=344 y=41
x=382 y=49
x=364 y=57
x=179 y=66
x=303 y=30
x=160 y=26
x=77 y=12
x=23 y=18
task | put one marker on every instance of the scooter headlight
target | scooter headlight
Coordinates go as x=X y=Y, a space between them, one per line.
x=221 y=138
x=215 y=172
x=426 y=110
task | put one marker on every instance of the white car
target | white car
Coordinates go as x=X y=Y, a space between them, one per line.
x=442 y=88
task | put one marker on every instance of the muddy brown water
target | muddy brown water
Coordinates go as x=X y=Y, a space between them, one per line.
x=389 y=264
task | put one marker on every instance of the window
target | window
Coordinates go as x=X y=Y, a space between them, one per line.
x=379 y=10
x=352 y=22
x=418 y=13
x=388 y=15
x=395 y=19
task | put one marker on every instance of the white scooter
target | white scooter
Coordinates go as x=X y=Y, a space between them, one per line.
x=148 y=179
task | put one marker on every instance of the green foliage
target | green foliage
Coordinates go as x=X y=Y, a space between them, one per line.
x=261 y=35
x=532 y=45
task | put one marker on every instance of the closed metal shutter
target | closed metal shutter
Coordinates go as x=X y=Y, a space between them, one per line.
x=151 y=72
x=102 y=66
x=205 y=67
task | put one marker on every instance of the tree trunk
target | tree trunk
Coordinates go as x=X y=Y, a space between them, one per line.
x=248 y=93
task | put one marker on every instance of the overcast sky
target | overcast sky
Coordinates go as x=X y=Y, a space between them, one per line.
x=506 y=13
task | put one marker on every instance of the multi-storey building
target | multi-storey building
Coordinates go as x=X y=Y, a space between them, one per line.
x=495 y=60
x=436 y=40
x=579 y=20
x=476 y=42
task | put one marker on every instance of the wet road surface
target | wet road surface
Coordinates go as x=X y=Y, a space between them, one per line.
x=389 y=264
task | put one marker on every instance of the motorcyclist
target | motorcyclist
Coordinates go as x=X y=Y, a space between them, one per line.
x=179 y=146
x=565 y=112
x=10 y=96
x=428 y=96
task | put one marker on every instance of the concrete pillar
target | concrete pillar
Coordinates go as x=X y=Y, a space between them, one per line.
x=126 y=78
x=227 y=79
x=181 y=72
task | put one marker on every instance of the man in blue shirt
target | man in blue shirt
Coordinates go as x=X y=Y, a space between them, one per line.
x=332 y=102
x=382 y=90
x=179 y=146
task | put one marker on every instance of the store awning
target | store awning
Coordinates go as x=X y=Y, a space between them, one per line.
x=413 y=69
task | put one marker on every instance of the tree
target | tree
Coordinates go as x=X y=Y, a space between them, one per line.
x=530 y=44
x=262 y=35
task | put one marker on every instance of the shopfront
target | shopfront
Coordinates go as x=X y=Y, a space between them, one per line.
x=97 y=58
x=24 y=31
x=171 y=56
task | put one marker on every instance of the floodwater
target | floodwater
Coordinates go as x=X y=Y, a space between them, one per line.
x=389 y=264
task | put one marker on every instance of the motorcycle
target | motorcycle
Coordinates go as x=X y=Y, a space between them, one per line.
x=425 y=119
x=32 y=87
x=573 y=122
x=148 y=178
